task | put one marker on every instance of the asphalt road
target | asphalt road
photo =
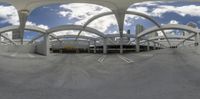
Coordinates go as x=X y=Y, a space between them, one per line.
x=162 y=74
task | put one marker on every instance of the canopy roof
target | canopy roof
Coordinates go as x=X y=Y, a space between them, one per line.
x=112 y=4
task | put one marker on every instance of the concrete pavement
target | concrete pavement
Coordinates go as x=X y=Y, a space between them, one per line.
x=162 y=74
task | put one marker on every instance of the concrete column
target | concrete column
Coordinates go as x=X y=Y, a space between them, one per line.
x=197 y=39
x=95 y=47
x=60 y=51
x=77 y=48
x=61 y=47
x=105 y=46
x=148 y=45
x=154 y=45
x=0 y=39
x=137 y=42
x=89 y=46
x=23 y=15
x=46 y=44
x=121 y=45
x=120 y=16
x=159 y=46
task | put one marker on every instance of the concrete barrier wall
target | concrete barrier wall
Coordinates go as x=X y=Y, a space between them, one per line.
x=39 y=48
x=81 y=44
x=17 y=48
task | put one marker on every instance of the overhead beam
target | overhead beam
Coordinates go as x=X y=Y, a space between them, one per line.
x=152 y=20
x=23 y=15
x=92 y=19
x=75 y=27
x=74 y=36
x=168 y=26
x=189 y=37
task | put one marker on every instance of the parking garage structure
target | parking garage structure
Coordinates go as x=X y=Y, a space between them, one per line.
x=128 y=64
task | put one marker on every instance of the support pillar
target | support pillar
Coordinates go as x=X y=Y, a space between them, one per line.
x=183 y=43
x=77 y=48
x=89 y=46
x=159 y=46
x=0 y=39
x=137 y=41
x=197 y=40
x=120 y=16
x=154 y=46
x=105 y=46
x=61 y=47
x=23 y=15
x=95 y=47
x=148 y=45
x=121 y=45
x=46 y=44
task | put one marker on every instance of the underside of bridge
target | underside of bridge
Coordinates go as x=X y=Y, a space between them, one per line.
x=126 y=65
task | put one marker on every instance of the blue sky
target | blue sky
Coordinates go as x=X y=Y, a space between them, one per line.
x=61 y=14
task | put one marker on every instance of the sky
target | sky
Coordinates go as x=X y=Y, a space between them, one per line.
x=78 y=13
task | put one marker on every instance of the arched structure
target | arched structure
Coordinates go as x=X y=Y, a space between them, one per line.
x=172 y=26
x=170 y=37
x=75 y=27
x=168 y=26
x=121 y=33
x=82 y=37
x=118 y=35
x=127 y=12
x=15 y=27
x=117 y=7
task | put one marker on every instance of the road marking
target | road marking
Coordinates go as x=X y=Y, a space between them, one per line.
x=13 y=55
x=146 y=55
x=125 y=59
x=101 y=59
x=31 y=56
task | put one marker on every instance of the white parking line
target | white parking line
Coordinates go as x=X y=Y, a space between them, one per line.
x=101 y=59
x=125 y=59
x=146 y=55
x=31 y=56
x=13 y=55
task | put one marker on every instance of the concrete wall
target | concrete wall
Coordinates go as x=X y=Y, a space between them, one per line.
x=17 y=48
x=39 y=48
x=72 y=43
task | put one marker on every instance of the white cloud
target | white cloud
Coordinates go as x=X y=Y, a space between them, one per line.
x=173 y=22
x=192 y=10
x=103 y=23
x=38 y=25
x=139 y=9
x=63 y=13
x=160 y=33
x=84 y=33
x=7 y=34
x=129 y=19
x=67 y=32
x=83 y=12
x=115 y=32
x=148 y=3
x=9 y=15
x=43 y=26
x=74 y=32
